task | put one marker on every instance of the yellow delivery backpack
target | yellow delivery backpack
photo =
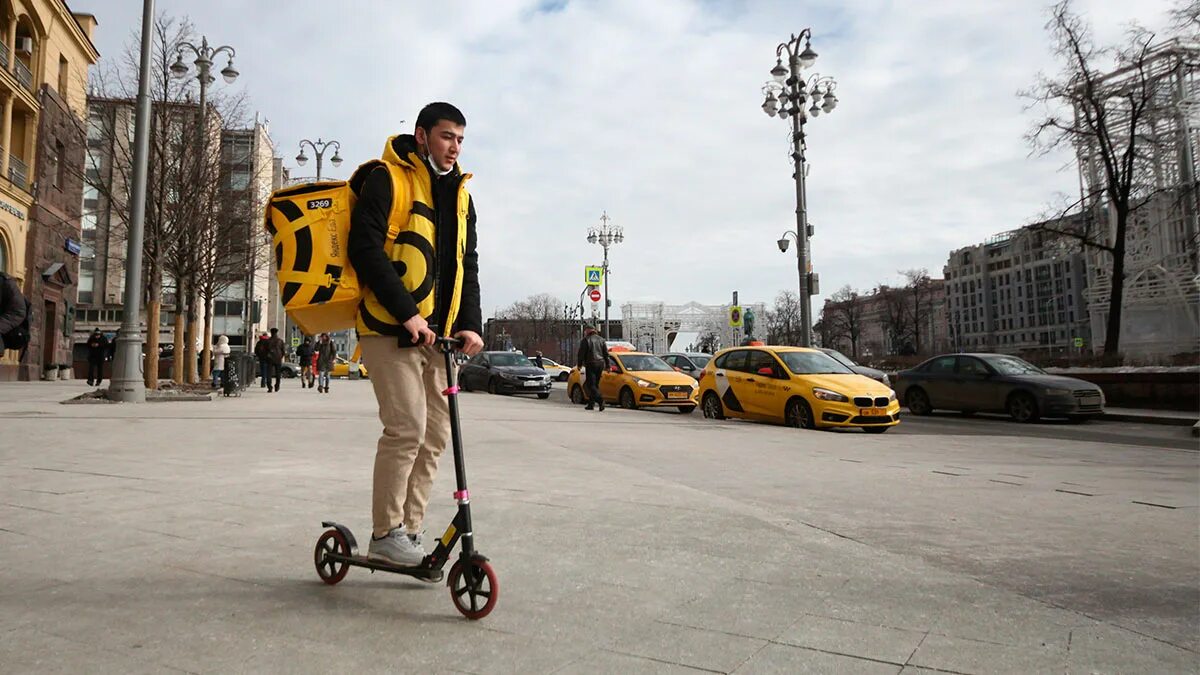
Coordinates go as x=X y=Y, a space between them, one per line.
x=310 y=226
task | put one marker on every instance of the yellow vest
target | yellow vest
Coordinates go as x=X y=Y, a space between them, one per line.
x=412 y=250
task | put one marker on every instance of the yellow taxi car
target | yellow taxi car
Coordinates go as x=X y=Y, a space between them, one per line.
x=638 y=380
x=796 y=386
x=350 y=369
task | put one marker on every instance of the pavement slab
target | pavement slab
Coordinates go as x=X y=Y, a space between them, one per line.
x=179 y=538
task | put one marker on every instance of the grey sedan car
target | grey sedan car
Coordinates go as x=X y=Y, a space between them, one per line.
x=874 y=374
x=996 y=383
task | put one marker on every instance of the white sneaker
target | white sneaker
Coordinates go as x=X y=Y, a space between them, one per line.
x=395 y=548
x=416 y=540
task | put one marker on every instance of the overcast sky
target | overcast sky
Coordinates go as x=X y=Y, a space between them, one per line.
x=651 y=111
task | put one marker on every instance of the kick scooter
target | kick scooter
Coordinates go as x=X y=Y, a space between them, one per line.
x=472 y=581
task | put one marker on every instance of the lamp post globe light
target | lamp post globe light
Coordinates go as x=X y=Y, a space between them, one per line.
x=319 y=148
x=204 y=62
x=790 y=95
x=605 y=235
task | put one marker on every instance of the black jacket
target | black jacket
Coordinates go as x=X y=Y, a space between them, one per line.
x=592 y=352
x=368 y=232
x=97 y=348
x=304 y=352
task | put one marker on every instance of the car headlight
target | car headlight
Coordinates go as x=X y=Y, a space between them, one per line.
x=509 y=376
x=892 y=397
x=1058 y=392
x=645 y=384
x=827 y=395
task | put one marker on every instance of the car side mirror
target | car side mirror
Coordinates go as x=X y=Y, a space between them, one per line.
x=766 y=370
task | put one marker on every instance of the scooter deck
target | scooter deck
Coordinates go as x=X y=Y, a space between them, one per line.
x=422 y=573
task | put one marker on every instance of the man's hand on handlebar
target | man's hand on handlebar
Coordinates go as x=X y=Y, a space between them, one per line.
x=471 y=343
x=418 y=329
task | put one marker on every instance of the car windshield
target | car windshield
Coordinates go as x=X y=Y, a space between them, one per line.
x=1011 y=365
x=813 y=363
x=642 y=362
x=506 y=359
x=840 y=357
x=700 y=361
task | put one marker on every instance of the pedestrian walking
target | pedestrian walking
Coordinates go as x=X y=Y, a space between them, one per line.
x=304 y=353
x=326 y=354
x=276 y=352
x=537 y=360
x=97 y=346
x=14 y=315
x=591 y=359
x=407 y=305
x=260 y=353
x=219 y=353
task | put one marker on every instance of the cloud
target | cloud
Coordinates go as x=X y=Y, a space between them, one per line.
x=650 y=111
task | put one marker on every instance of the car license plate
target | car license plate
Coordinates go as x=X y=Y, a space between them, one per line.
x=872 y=412
x=532 y=383
x=677 y=394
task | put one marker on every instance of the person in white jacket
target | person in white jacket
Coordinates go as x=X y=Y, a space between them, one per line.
x=219 y=354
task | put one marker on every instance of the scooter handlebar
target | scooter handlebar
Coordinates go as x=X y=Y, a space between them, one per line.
x=448 y=342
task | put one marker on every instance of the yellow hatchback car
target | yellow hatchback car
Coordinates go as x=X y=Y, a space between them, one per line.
x=639 y=380
x=796 y=386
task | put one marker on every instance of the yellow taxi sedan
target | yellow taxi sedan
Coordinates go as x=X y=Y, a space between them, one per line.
x=350 y=369
x=795 y=386
x=639 y=380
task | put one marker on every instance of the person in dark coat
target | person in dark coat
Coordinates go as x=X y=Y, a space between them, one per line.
x=97 y=346
x=592 y=358
x=276 y=351
x=326 y=353
x=260 y=353
x=304 y=352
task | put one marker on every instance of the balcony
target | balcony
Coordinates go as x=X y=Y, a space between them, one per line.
x=24 y=76
x=18 y=172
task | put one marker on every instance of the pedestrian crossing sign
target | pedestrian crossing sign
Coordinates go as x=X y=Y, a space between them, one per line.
x=593 y=276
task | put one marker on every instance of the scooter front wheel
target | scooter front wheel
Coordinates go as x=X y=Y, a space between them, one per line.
x=473 y=588
x=331 y=542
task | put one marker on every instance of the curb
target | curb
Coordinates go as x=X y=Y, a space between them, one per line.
x=1154 y=419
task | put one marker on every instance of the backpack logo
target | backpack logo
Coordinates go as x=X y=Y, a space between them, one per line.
x=320 y=204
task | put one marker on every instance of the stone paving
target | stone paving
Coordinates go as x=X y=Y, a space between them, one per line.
x=178 y=537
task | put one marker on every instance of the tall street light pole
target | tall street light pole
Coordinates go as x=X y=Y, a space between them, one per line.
x=204 y=61
x=319 y=150
x=126 y=382
x=606 y=235
x=788 y=95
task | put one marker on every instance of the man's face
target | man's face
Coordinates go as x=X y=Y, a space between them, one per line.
x=443 y=143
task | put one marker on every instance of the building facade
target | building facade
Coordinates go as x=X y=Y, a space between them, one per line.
x=900 y=321
x=1020 y=292
x=45 y=53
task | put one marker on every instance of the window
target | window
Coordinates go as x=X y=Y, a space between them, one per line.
x=943 y=365
x=733 y=360
x=63 y=75
x=759 y=360
x=968 y=365
x=239 y=179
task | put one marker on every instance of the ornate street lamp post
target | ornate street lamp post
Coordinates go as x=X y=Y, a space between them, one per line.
x=788 y=94
x=319 y=150
x=606 y=235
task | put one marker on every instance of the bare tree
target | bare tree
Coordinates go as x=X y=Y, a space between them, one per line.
x=920 y=289
x=1100 y=105
x=783 y=320
x=844 y=314
x=536 y=319
x=897 y=316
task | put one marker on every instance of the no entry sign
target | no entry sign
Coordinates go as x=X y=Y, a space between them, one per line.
x=594 y=294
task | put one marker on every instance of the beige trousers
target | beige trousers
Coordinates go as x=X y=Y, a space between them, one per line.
x=408 y=385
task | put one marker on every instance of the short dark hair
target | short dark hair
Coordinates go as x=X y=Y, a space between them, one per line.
x=435 y=112
x=274 y=331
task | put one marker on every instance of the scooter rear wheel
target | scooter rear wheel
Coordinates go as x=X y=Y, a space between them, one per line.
x=473 y=588
x=331 y=571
